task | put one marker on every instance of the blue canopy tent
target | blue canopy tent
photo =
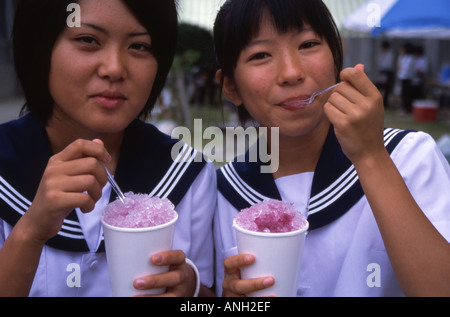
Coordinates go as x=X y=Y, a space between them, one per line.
x=402 y=18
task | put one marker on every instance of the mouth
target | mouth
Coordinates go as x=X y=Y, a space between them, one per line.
x=296 y=103
x=109 y=99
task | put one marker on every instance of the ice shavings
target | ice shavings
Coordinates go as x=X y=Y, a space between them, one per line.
x=139 y=211
x=271 y=216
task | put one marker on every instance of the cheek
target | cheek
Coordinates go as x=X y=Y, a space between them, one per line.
x=327 y=68
x=67 y=72
x=252 y=86
x=144 y=76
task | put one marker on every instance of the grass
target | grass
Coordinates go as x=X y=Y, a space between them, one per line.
x=436 y=129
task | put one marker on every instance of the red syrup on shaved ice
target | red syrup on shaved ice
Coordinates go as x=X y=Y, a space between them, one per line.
x=139 y=211
x=271 y=216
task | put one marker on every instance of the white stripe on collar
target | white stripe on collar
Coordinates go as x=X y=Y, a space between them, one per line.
x=14 y=199
x=175 y=172
x=343 y=183
x=247 y=192
x=21 y=204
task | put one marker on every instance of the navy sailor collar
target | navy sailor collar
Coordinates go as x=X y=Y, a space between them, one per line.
x=335 y=187
x=145 y=166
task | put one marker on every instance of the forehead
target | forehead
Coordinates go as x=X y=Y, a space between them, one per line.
x=267 y=23
x=108 y=13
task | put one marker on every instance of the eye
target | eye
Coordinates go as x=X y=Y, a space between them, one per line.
x=259 y=56
x=308 y=45
x=88 y=40
x=141 y=47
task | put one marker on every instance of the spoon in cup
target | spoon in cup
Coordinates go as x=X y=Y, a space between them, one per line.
x=114 y=185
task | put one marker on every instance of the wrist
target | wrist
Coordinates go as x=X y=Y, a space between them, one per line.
x=371 y=161
x=25 y=231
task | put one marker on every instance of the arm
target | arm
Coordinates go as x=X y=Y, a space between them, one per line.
x=419 y=255
x=73 y=178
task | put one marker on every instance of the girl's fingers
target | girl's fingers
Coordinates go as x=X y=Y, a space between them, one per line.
x=251 y=285
x=172 y=257
x=235 y=262
x=84 y=148
x=359 y=80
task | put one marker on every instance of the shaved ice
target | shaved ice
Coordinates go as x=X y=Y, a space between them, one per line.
x=139 y=211
x=271 y=216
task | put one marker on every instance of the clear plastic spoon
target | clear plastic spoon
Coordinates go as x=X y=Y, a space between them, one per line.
x=114 y=185
x=306 y=102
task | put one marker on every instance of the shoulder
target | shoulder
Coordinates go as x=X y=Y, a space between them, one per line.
x=21 y=136
x=422 y=165
x=148 y=133
x=416 y=152
x=416 y=143
x=11 y=129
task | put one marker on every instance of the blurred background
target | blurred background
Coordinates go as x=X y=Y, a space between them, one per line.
x=385 y=35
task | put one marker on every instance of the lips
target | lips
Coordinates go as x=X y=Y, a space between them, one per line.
x=295 y=103
x=109 y=99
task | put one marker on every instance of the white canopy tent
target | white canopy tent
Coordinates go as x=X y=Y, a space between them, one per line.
x=200 y=12
x=341 y=10
x=402 y=19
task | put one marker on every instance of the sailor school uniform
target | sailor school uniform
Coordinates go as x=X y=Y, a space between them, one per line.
x=73 y=263
x=344 y=254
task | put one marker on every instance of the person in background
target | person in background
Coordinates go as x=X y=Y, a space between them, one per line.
x=405 y=74
x=420 y=69
x=386 y=71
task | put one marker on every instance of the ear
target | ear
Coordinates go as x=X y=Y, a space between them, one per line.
x=229 y=88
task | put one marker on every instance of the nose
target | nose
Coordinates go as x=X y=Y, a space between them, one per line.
x=290 y=70
x=112 y=64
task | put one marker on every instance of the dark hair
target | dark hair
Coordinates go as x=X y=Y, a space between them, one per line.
x=239 y=20
x=38 y=24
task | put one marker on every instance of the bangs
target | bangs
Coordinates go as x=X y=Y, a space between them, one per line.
x=283 y=16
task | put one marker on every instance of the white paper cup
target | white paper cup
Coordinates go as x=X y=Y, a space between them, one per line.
x=277 y=255
x=129 y=251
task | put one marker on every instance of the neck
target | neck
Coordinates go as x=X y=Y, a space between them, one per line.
x=300 y=154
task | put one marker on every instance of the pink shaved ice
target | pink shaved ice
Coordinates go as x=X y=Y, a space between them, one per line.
x=271 y=216
x=139 y=211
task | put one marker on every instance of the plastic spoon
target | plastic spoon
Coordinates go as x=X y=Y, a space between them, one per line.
x=114 y=185
x=307 y=102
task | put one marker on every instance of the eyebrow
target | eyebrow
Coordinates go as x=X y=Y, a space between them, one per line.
x=103 y=30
